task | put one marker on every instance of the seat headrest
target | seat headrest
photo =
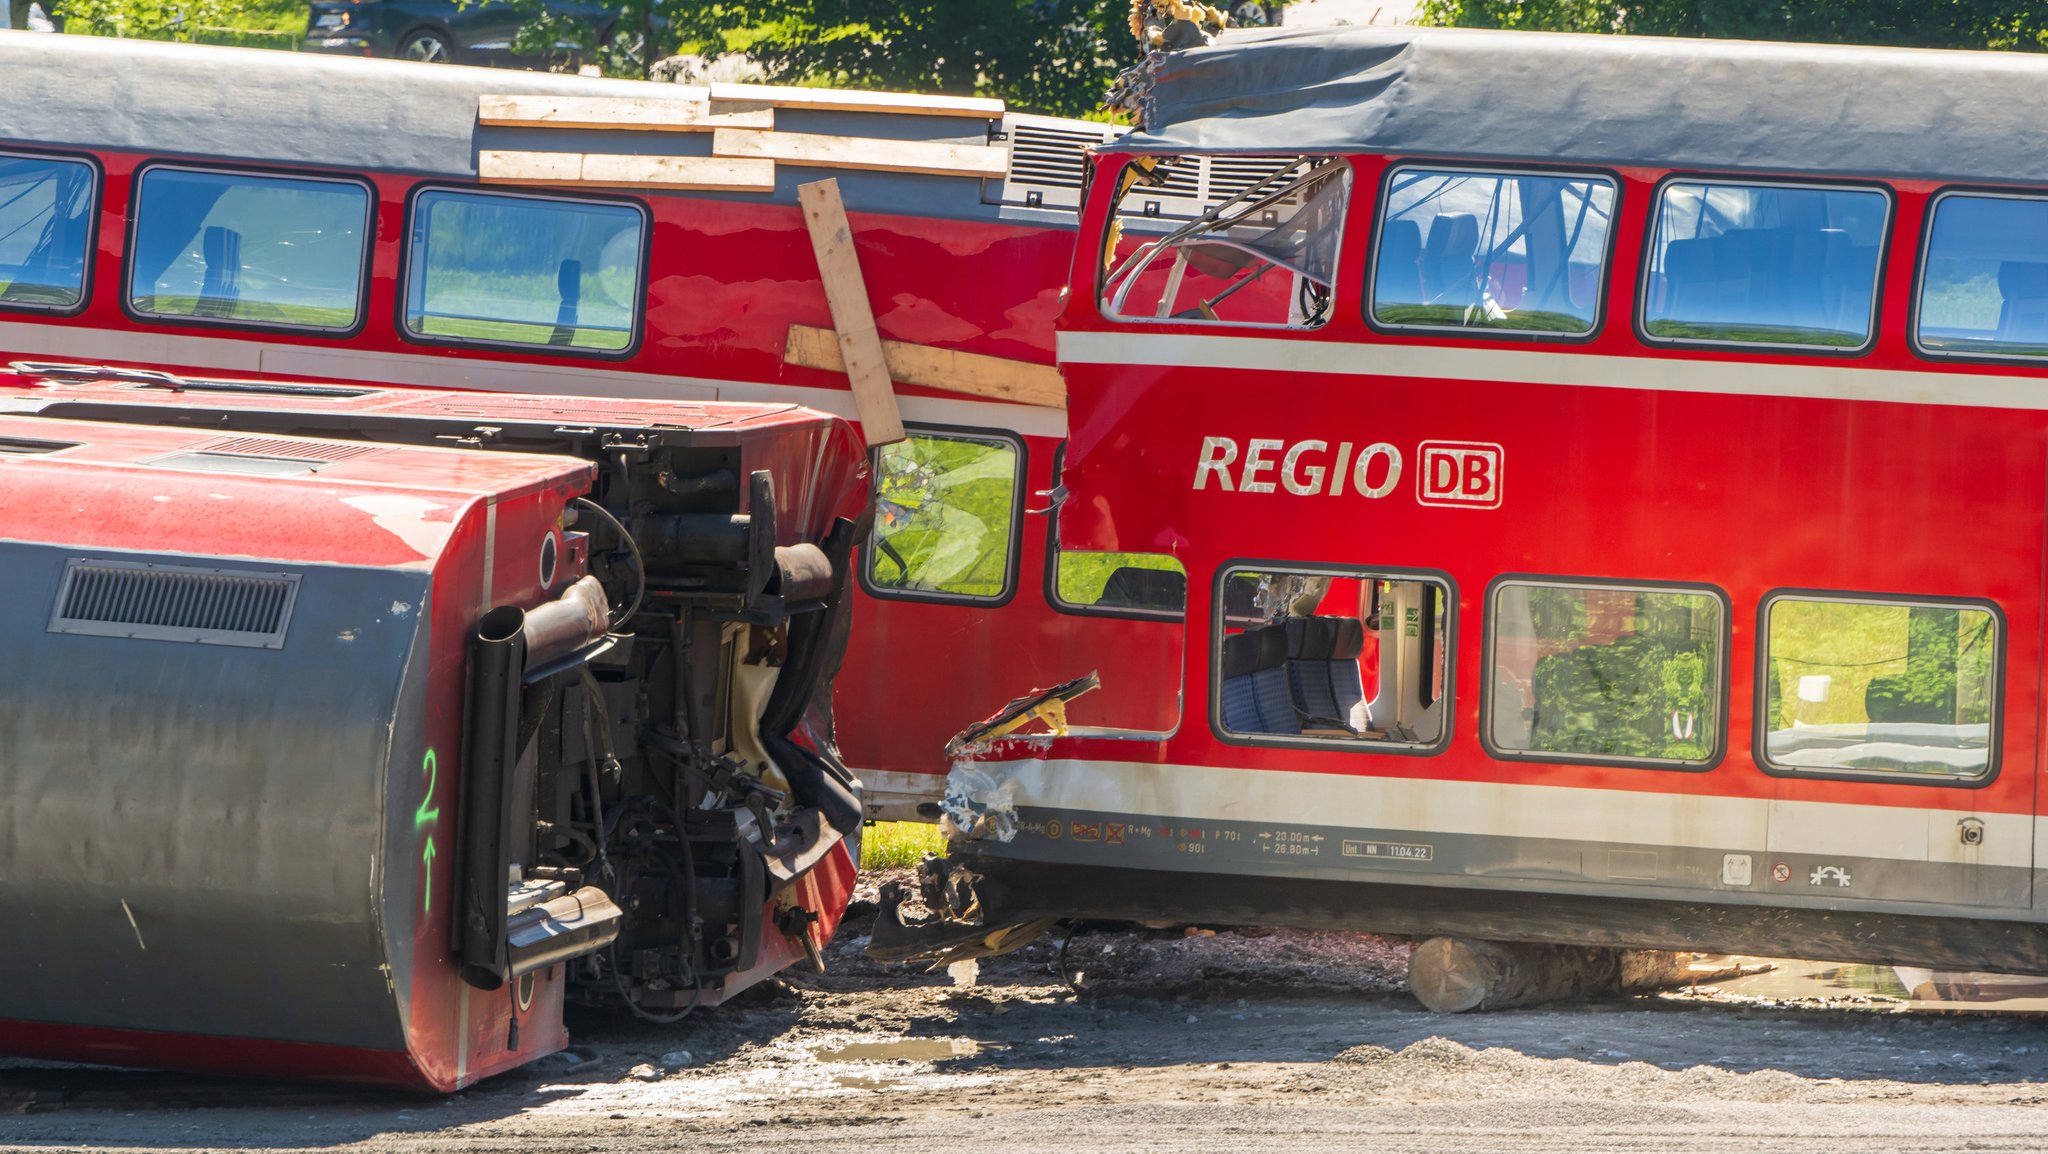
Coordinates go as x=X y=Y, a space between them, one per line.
x=1246 y=653
x=1349 y=640
x=1129 y=587
x=2022 y=278
x=1325 y=638
x=1400 y=240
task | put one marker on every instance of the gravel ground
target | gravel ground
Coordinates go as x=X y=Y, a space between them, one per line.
x=1174 y=1040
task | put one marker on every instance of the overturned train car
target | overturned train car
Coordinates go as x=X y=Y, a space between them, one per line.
x=351 y=732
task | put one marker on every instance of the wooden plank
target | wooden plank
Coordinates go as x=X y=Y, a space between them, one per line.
x=609 y=170
x=860 y=346
x=976 y=374
x=932 y=158
x=852 y=100
x=529 y=167
x=631 y=113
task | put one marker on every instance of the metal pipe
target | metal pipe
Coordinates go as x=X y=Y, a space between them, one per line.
x=579 y=618
x=497 y=657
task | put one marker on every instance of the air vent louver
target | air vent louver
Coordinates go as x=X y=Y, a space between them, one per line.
x=292 y=447
x=175 y=603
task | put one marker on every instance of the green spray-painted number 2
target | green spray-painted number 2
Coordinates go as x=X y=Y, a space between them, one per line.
x=426 y=815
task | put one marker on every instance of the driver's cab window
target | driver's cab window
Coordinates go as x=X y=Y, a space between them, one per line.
x=1225 y=240
x=1344 y=657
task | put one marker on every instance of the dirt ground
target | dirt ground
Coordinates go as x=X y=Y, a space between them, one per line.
x=1170 y=1042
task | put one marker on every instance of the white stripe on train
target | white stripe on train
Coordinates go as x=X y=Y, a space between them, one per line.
x=57 y=340
x=1664 y=373
x=1498 y=809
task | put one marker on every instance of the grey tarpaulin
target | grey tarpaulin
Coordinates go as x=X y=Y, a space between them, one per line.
x=1619 y=100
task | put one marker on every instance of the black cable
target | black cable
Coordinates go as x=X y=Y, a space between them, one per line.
x=1061 y=962
x=632 y=547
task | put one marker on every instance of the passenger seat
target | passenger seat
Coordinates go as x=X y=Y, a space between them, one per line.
x=1322 y=670
x=2023 y=317
x=1254 y=696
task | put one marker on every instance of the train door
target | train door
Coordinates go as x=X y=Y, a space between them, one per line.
x=1866 y=696
x=967 y=607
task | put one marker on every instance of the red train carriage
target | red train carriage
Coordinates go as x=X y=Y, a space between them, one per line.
x=222 y=211
x=1610 y=474
x=351 y=731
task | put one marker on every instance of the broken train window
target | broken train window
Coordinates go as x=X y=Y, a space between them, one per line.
x=946 y=517
x=1334 y=655
x=1226 y=240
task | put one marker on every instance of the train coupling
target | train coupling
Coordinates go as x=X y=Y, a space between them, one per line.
x=966 y=918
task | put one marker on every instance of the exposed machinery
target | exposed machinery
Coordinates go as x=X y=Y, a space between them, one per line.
x=350 y=731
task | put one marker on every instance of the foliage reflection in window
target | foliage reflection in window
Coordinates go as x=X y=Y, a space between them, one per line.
x=45 y=224
x=266 y=250
x=1861 y=687
x=1116 y=581
x=945 y=511
x=1984 y=290
x=1492 y=251
x=506 y=269
x=1598 y=671
x=1763 y=263
x=1263 y=253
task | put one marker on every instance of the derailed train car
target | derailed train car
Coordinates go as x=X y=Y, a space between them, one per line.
x=350 y=732
x=1609 y=475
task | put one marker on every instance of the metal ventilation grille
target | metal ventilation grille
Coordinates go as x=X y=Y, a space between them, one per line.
x=295 y=448
x=175 y=603
x=1048 y=159
x=1195 y=184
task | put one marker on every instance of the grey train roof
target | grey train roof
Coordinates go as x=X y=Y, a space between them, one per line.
x=362 y=115
x=1591 y=99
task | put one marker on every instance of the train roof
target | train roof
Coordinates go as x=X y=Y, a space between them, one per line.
x=363 y=115
x=1608 y=100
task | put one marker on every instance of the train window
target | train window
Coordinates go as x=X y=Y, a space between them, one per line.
x=278 y=251
x=1118 y=582
x=947 y=511
x=511 y=269
x=1262 y=252
x=1580 y=671
x=1984 y=277
x=1463 y=249
x=1879 y=687
x=1767 y=264
x=1333 y=657
x=46 y=217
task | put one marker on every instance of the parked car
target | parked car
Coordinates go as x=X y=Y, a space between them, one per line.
x=440 y=31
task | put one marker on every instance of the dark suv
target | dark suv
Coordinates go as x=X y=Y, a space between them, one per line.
x=439 y=31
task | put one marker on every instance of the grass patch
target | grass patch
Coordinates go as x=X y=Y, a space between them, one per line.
x=885 y=844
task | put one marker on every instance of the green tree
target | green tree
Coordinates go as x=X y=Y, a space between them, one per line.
x=1905 y=23
x=1054 y=56
x=147 y=19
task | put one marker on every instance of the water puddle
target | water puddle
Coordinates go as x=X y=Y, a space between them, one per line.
x=904 y=1049
x=1816 y=981
x=895 y=1050
x=1882 y=987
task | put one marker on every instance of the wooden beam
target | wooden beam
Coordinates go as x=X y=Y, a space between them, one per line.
x=860 y=346
x=852 y=100
x=608 y=170
x=632 y=113
x=998 y=378
x=932 y=158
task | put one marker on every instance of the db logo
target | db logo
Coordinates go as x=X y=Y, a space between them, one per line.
x=1461 y=473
